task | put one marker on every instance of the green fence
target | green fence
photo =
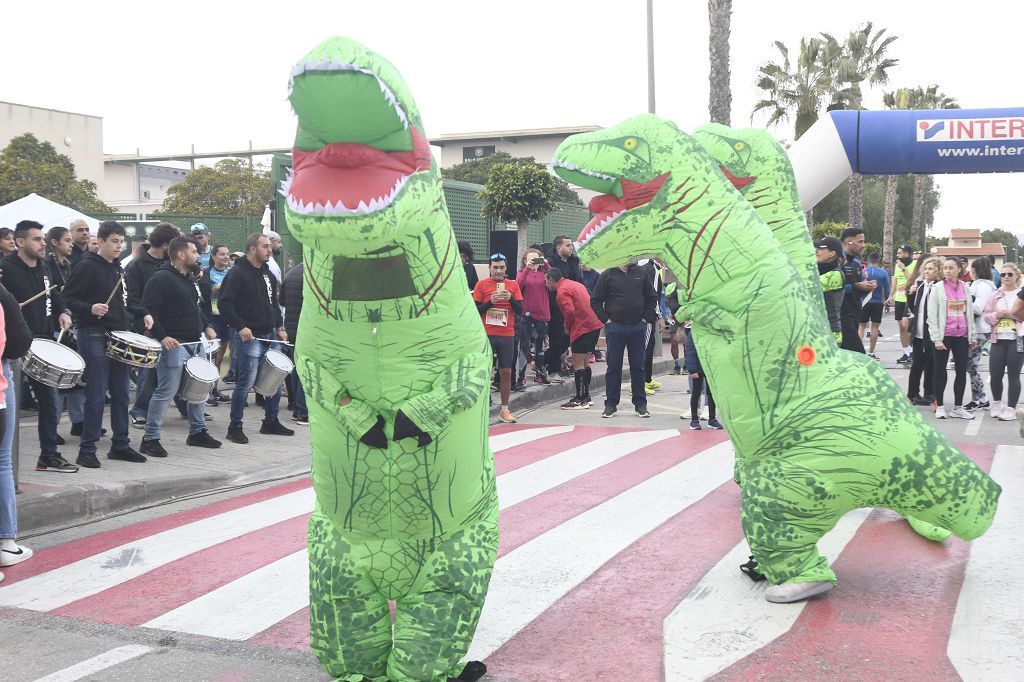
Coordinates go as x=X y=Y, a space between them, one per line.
x=112 y=216
x=224 y=229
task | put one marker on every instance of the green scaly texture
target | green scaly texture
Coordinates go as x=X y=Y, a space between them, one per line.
x=388 y=332
x=817 y=431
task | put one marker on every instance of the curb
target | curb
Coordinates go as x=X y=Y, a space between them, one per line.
x=93 y=502
x=540 y=394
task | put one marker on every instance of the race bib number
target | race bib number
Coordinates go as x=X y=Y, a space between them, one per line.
x=1005 y=325
x=496 y=317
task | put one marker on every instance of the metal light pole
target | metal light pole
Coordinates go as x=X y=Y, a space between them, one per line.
x=650 y=56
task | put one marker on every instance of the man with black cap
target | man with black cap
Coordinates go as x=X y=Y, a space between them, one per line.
x=902 y=273
x=829 y=253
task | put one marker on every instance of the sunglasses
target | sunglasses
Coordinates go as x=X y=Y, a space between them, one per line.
x=498 y=256
x=1008 y=274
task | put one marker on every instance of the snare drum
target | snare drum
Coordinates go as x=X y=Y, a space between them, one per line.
x=53 y=364
x=274 y=369
x=198 y=377
x=133 y=349
x=211 y=346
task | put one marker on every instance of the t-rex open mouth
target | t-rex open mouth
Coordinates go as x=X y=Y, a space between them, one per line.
x=608 y=207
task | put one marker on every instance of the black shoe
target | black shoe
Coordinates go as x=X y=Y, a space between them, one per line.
x=54 y=462
x=643 y=413
x=212 y=402
x=608 y=413
x=60 y=440
x=473 y=671
x=137 y=422
x=230 y=378
x=261 y=401
x=903 y=359
x=87 y=460
x=275 y=428
x=76 y=429
x=519 y=387
x=235 y=435
x=128 y=454
x=152 y=448
x=202 y=439
x=301 y=420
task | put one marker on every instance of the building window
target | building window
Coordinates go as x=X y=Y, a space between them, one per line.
x=473 y=153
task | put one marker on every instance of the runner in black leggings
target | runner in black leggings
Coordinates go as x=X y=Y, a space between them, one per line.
x=951 y=326
x=1006 y=354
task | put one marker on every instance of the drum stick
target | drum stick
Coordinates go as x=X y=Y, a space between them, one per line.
x=39 y=295
x=112 y=292
x=61 y=335
x=283 y=343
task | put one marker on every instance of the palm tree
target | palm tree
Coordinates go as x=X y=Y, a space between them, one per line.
x=899 y=99
x=862 y=58
x=925 y=98
x=720 y=100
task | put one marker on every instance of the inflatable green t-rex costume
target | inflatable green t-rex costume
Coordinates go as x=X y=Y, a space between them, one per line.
x=395 y=365
x=817 y=431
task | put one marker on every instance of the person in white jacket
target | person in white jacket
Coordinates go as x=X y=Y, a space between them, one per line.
x=981 y=289
x=951 y=328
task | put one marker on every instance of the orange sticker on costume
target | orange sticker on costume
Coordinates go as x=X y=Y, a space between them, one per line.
x=806 y=356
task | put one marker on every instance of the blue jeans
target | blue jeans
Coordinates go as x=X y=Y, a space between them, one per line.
x=168 y=378
x=8 y=506
x=631 y=338
x=249 y=355
x=102 y=373
x=49 y=414
x=143 y=392
x=74 y=401
x=233 y=347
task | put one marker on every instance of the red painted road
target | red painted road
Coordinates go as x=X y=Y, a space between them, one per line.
x=889 y=617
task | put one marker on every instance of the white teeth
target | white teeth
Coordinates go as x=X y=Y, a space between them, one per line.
x=568 y=165
x=335 y=65
x=339 y=208
x=593 y=231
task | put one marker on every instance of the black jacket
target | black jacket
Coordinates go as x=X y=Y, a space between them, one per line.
x=291 y=299
x=249 y=298
x=76 y=255
x=19 y=336
x=205 y=290
x=570 y=267
x=91 y=282
x=24 y=283
x=59 y=270
x=136 y=275
x=625 y=297
x=175 y=302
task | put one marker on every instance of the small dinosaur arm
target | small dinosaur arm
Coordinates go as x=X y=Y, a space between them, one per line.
x=817 y=431
x=759 y=169
x=395 y=364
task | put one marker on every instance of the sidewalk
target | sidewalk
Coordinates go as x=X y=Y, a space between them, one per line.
x=48 y=498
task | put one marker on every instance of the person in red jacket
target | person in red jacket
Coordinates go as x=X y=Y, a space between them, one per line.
x=583 y=328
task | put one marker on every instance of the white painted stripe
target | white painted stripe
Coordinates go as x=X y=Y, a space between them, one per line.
x=97 y=663
x=725 y=617
x=533 y=479
x=974 y=425
x=985 y=639
x=529 y=579
x=99 y=572
x=504 y=441
x=247 y=606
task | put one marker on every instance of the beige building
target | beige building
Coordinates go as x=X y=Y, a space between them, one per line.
x=138 y=187
x=966 y=243
x=79 y=136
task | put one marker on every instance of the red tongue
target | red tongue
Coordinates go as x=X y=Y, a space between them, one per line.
x=606 y=203
x=738 y=183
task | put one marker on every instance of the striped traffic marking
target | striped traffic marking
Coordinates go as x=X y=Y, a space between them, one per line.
x=91 y=666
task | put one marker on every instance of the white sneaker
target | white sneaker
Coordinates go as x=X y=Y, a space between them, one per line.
x=960 y=413
x=1007 y=414
x=704 y=414
x=10 y=556
x=940 y=412
x=996 y=409
x=790 y=592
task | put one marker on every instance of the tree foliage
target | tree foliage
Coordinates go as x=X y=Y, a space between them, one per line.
x=835 y=207
x=477 y=171
x=518 y=193
x=229 y=187
x=28 y=164
x=1008 y=240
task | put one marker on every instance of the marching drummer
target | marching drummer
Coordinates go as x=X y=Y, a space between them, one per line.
x=27 y=276
x=172 y=296
x=96 y=296
x=249 y=303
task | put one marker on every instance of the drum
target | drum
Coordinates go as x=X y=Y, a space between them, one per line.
x=198 y=377
x=274 y=369
x=133 y=349
x=53 y=364
x=211 y=346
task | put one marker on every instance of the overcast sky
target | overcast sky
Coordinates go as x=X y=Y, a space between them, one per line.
x=168 y=75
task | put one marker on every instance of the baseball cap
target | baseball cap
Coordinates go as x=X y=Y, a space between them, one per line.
x=199 y=228
x=830 y=243
x=905 y=247
x=273 y=236
x=237 y=254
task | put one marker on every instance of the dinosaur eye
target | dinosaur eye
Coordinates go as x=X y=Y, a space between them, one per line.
x=739 y=146
x=629 y=144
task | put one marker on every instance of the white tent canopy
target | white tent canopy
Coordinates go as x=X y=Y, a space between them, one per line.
x=42 y=210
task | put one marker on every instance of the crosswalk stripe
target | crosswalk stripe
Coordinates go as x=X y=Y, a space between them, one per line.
x=510 y=439
x=245 y=606
x=108 y=659
x=525 y=482
x=102 y=571
x=725 y=617
x=987 y=631
x=533 y=577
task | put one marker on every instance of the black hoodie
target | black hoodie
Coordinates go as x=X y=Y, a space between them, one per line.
x=91 y=281
x=24 y=283
x=19 y=336
x=175 y=302
x=249 y=298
